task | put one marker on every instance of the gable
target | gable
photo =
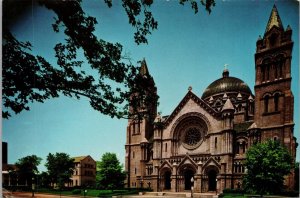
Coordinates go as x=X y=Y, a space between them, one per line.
x=190 y=96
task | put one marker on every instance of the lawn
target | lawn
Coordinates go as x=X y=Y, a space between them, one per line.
x=91 y=192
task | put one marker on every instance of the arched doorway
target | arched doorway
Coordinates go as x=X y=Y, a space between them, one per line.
x=212 y=180
x=188 y=174
x=167 y=177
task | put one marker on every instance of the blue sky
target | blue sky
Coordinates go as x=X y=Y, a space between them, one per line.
x=186 y=50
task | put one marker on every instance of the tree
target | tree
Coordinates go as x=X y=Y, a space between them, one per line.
x=296 y=176
x=27 y=168
x=44 y=180
x=31 y=78
x=110 y=174
x=60 y=168
x=267 y=163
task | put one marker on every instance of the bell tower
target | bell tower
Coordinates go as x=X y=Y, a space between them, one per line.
x=143 y=108
x=274 y=100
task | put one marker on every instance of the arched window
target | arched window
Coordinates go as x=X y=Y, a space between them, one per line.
x=244 y=146
x=276 y=102
x=280 y=64
x=266 y=104
x=276 y=65
x=268 y=72
x=263 y=72
x=237 y=148
x=240 y=108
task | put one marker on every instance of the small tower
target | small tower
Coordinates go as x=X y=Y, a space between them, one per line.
x=274 y=101
x=140 y=128
x=228 y=114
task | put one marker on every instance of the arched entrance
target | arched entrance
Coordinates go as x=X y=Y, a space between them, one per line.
x=167 y=180
x=212 y=180
x=188 y=174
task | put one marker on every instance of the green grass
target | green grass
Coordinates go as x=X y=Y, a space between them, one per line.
x=91 y=192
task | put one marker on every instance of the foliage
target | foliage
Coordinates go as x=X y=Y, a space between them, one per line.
x=31 y=78
x=297 y=176
x=267 y=163
x=110 y=174
x=27 y=168
x=76 y=191
x=60 y=167
x=236 y=190
x=44 y=179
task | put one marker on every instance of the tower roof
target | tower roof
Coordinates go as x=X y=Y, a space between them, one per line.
x=144 y=69
x=228 y=105
x=274 y=20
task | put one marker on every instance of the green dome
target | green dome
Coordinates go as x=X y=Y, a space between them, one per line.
x=226 y=84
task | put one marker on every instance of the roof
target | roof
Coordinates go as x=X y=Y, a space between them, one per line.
x=80 y=158
x=144 y=69
x=242 y=127
x=226 y=84
x=197 y=100
x=274 y=20
x=228 y=105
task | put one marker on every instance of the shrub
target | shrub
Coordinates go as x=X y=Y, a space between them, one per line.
x=76 y=191
x=290 y=193
x=234 y=191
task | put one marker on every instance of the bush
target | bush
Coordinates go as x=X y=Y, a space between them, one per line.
x=291 y=193
x=234 y=191
x=76 y=191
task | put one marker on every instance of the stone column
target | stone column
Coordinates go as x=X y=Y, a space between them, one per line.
x=174 y=182
x=198 y=182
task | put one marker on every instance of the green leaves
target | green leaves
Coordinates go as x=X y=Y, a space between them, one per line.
x=27 y=168
x=60 y=167
x=110 y=174
x=30 y=78
x=267 y=164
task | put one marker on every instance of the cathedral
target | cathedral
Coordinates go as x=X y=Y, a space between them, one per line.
x=203 y=142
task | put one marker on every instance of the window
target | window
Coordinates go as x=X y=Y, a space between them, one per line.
x=263 y=70
x=244 y=146
x=132 y=154
x=216 y=142
x=240 y=108
x=268 y=72
x=280 y=68
x=237 y=147
x=276 y=101
x=166 y=147
x=276 y=71
x=266 y=103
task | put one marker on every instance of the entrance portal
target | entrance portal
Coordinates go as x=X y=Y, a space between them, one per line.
x=212 y=183
x=188 y=174
x=167 y=180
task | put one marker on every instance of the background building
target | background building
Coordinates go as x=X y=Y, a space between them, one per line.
x=206 y=138
x=84 y=171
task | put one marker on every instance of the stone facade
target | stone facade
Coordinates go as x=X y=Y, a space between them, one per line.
x=205 y=139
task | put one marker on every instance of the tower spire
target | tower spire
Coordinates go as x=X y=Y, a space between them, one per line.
x=274 y=20
x=144 y=69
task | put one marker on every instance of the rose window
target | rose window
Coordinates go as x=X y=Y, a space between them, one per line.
x=192 y=136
